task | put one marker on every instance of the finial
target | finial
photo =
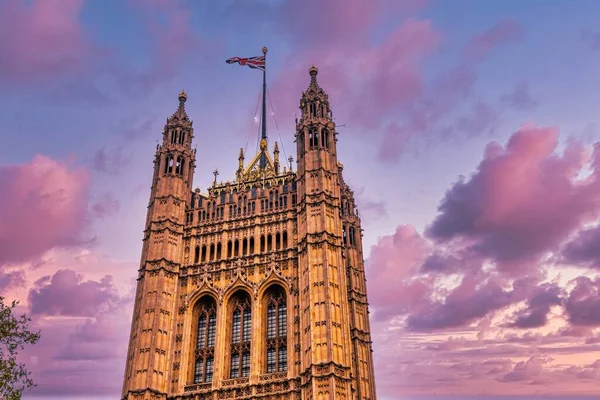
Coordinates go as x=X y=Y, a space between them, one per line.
x=290 y=159
x=313 y=71
x=215 y=173
x=182 y=96
x=241 y=157
x=276 y=148
x=264 y=49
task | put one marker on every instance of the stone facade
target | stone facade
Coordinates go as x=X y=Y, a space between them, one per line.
x=255 y=289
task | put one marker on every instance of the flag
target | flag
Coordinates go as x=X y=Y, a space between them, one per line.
x=252 y=62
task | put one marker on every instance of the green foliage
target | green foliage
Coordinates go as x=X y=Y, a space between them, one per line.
x=14 y=334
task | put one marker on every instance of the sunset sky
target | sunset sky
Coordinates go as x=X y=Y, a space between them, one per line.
x=467 y=129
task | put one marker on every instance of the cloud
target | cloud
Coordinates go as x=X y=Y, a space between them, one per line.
x=46 y=40
x=583 y=303
x=11 y=279
x=520 y=98
x=44 y=205
x=536 y=313
x=106 y=206
x=583 y=249
x=65 y=293
x=498 y=214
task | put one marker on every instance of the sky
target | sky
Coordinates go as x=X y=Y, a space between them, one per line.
x=468 y=131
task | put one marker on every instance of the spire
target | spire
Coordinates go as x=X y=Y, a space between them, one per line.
x=314 y=102
x=180 y=114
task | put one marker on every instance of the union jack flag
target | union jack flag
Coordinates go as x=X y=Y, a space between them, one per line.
x=252 y=62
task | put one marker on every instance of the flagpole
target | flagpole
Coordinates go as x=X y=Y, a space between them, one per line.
x=263 y=158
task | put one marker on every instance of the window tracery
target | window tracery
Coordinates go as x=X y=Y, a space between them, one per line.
x=276 y=331
x=241 y=333
x=206 y=331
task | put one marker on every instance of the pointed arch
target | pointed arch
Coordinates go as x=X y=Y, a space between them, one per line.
x=205 y=320
x=240 y=333
x=274 y=336
x=197 y=254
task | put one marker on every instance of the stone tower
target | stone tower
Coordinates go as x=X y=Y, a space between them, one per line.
x=254 y=289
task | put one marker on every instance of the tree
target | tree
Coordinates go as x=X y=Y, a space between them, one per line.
x=14 y=334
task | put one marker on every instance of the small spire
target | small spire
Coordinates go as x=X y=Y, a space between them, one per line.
x=241 y=160
x=180 y=114
x=313 y=71
x=276 y=148
x=182 y=96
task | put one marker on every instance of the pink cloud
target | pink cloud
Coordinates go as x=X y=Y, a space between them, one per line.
x=65 y=293
x=44 y=206
x=583 y=303
x=504 y=32
x=46 y=39
x=499 y=213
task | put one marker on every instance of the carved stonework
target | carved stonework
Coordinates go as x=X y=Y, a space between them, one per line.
x=262 y=260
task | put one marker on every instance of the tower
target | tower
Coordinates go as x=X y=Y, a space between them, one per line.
x=254 y=289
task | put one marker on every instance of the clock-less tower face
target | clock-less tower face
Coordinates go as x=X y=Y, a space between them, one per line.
x=254 y=288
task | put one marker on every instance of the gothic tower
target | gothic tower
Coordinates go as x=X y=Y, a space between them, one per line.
x=254 y=289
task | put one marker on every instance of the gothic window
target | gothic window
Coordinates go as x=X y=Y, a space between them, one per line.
x=313 y=137
x=179 y=165
x=236 y=248
x=276 y=332
x=197 y=255
x=229 y=249
x=193 y=202
x=313 y=110
x=218 y=251
x=285 y=240
x=182 y=138
x=284 y=201
x=293 y=199
x=277 y=241
x=169 y=164
x=241 y=332
x=173 y=136
x=222 y=197
x=269 y=242
x=244 y=246
x=251 y=245
x=294 y=186
x=262 y=243
x=325 y=137
x=254 y=192
x=205 y=340
x=344 y=234
x=212 y=252
x=203 y=254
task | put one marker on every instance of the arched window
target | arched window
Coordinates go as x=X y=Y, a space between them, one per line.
x=269 y=242
x=313 y=137
x=244 y=247
x=206 y=330
x=277 y=241
x=229 y=249
x=212 y=252
x=313 y=109
x=276 y=333
x=262 y=243
x=169 y=164
x=179 y=165
x=241 y=332
x=197 y=255
x=251 y=246
x=285 y=240
x=236 y=248
x=218 y=251
x=325 y=137
x=203 y=254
